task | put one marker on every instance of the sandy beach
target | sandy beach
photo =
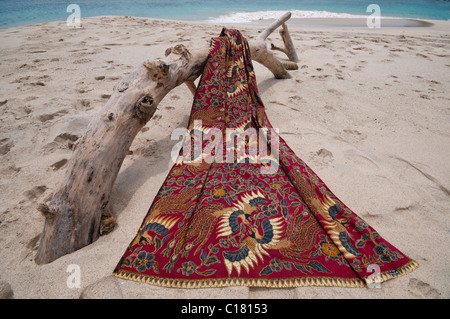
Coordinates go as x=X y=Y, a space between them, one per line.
x=368 y=110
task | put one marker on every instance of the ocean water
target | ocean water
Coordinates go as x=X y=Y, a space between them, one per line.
x=24 y=12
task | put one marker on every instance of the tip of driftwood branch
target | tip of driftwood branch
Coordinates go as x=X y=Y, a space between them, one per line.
x=275 y=25
x=191 y=86
x=289 y=65
x=46 y=211
x=107 y=225
x=179 y=49
x=157 y=71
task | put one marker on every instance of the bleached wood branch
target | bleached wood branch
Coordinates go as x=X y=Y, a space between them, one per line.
x=289 y=48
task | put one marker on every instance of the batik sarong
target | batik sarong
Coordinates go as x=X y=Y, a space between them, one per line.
x=239 y=207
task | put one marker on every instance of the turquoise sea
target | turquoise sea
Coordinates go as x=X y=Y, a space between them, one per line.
x=24 y=12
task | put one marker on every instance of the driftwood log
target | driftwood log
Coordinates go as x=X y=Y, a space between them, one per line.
x=79 y=210
x=289 y=48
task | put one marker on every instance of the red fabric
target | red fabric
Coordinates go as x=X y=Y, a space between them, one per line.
x=221 y=223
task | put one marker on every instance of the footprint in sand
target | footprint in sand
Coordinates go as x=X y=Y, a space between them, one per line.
x=37 y=51
x=393 y=55
x=35 y=192
x=329 y=108
x=156 y=117
x=295 y=98
x=82 y=61
x=322 y=157
x=357 y=68
x=5 y=146
x=339 y=75
x=435 y=82
x=10 y=171
x=21 y=79
x=422 y=289
x=48 y=117
x=335 y=92
x=56 y=166
x=62 y=141
x=31 y=98
x=146 y=151
x=82 y=104
x=423 y=56
x=33 y=244
x=38 y=83
x=65 y=137
x=325 y=155
x=354 y=135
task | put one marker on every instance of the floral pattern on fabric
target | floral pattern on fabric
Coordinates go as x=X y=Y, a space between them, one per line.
x=220 y=223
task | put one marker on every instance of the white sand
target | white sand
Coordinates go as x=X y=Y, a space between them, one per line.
x=368 y=110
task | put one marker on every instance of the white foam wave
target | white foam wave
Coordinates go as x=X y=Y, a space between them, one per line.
x=246 y=17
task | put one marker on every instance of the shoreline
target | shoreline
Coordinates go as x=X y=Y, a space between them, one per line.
x=360 y=22
x=303 y=22
x=367 y=110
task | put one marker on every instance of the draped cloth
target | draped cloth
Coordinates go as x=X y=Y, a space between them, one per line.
x=240 y=208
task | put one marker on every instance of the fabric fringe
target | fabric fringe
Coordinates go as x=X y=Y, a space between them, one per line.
x=270 y=283
x=227 y=282
x=391 y=274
